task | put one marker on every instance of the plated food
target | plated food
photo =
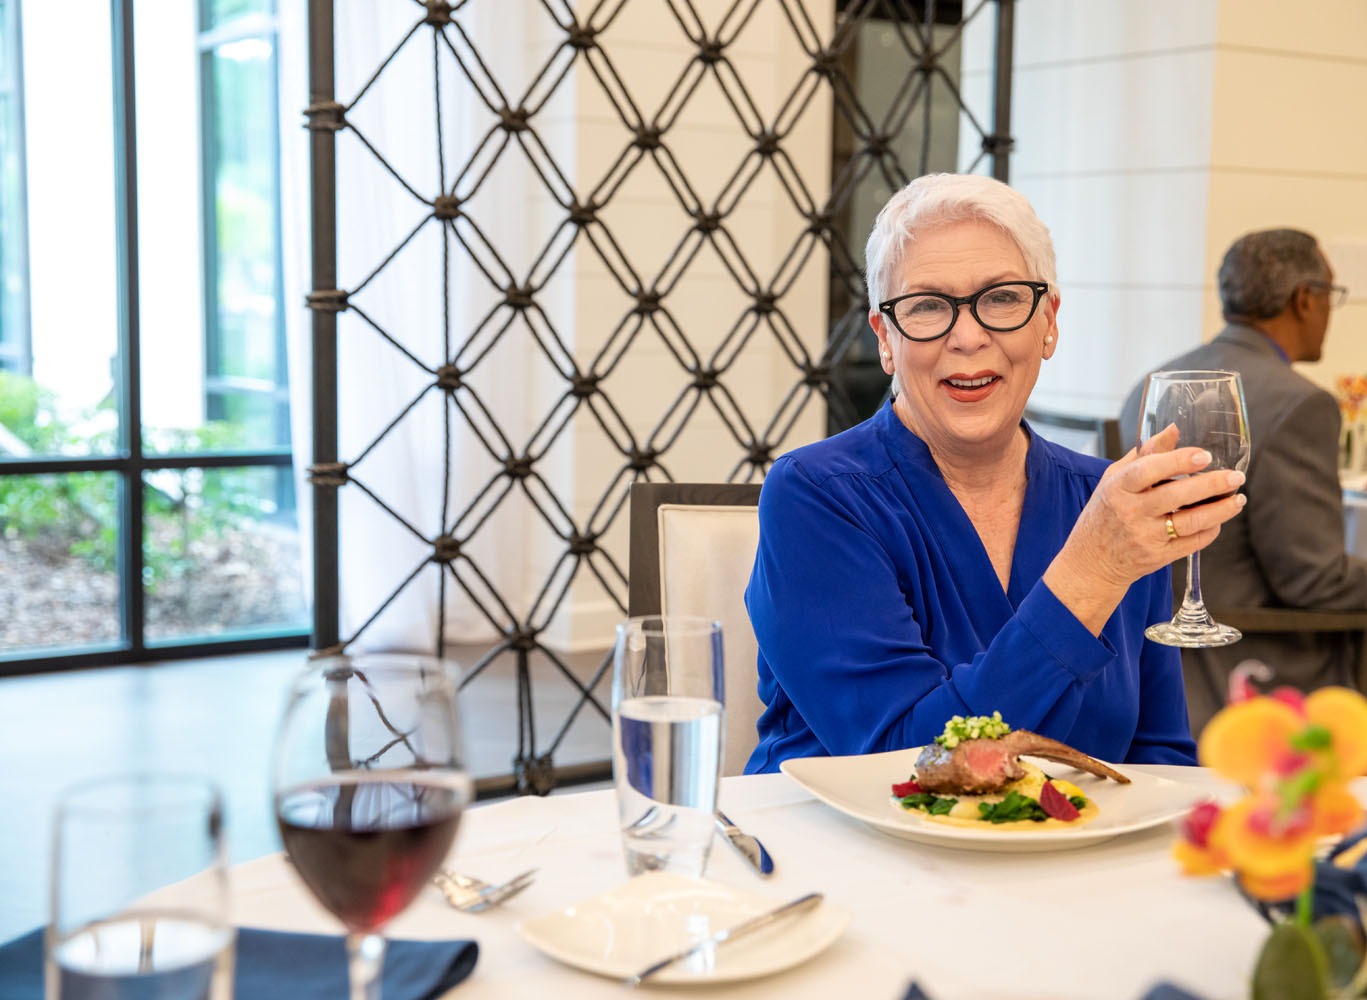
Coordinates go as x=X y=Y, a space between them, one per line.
x=858 y=787
x=974 y=774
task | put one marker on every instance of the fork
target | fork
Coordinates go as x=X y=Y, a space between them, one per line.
x=474 y=895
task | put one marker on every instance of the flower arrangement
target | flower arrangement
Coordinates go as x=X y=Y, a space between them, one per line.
x=1351 y=391
x=1294 y=755
x=1352 y=394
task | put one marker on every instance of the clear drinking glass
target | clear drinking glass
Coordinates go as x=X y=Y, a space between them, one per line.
x=370 y=783
x=139 y=904
x=667 y=731
x=1208 y=409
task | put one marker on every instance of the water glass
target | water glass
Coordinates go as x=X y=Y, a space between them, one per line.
x=667 y=697
x=139 y=903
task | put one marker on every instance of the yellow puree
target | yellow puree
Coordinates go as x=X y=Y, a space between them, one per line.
x=965 y=813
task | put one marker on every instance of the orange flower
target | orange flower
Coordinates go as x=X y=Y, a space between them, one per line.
x=1245 y=741
x=1343 y=712
x=1285 y=885
x=1193 y=850
x=1198 y=861
x=1334 y=810
x=1271 y=849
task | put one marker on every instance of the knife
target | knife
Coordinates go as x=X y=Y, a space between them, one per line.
x=800 y=905
x=747 y=846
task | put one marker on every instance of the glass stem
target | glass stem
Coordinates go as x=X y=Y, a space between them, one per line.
x=365 y=958
x=1193 y=594
x=1193 y=613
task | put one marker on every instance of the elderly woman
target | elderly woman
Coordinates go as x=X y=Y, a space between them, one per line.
x=941 y=559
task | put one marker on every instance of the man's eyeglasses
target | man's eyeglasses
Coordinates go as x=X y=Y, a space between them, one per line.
x=1001 y=308
x=1338 y=294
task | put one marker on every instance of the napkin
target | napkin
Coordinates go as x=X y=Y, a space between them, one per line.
x=274 y=965
x=1342 y=878
x=1161 y=991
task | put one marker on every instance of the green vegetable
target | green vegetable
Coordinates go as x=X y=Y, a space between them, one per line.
x=975 y=727
x=1011 y=809
x=934 y=804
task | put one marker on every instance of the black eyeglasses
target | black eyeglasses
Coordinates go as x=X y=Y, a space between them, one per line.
x=1001 y=308
x=1338 y=294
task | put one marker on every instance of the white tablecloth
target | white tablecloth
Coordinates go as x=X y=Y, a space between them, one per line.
x=1107 y=921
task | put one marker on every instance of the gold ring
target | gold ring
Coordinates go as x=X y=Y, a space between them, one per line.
x=1172 y=532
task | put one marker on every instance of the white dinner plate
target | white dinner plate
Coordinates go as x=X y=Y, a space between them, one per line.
x=862 y=787
x=620 y=932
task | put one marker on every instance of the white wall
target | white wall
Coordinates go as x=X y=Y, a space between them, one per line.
x=1151 y=134
x=1289 y=147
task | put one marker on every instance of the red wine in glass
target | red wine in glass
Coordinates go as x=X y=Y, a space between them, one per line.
x=366 y=845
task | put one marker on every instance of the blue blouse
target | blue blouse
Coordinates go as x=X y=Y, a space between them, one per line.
x=879 y=614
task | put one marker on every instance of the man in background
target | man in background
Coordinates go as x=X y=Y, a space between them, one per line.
x=1287 y=549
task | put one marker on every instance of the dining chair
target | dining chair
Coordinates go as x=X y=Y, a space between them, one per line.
x=1090 y=435
x=691 y=549
x=1252 y=621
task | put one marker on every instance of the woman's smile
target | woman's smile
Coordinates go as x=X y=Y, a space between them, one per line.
x=970 y=388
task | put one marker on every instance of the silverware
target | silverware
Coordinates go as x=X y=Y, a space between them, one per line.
x=474 y=895
x=746 y=846
x=790 y=909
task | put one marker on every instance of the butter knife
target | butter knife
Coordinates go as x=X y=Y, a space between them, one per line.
x=790 y=909
x=747 y=846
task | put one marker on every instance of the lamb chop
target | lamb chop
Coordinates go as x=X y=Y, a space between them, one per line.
x=982 y=766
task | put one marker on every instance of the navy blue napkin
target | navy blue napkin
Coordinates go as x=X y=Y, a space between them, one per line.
x=1337 y=888
x=1162 y=991
x=274 y=965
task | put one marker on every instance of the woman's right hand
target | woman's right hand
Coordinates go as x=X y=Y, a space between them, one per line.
x=1122 y=534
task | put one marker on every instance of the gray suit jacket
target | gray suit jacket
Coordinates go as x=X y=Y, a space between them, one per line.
x=1286 y=549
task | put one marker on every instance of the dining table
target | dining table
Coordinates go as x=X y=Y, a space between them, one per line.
x=1105 y=921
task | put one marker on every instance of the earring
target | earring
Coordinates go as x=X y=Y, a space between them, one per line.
x=1049 y=339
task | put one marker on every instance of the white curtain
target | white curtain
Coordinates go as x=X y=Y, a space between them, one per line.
x=413 y=299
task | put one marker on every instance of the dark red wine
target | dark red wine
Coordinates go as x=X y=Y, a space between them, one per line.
x=365 y=845
x=1202 y=503
x=1198 y=503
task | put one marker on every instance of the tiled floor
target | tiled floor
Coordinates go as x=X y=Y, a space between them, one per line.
x=212 y=716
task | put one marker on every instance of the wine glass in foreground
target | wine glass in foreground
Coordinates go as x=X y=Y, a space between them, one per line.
x=369 y=784
x=1208 y=409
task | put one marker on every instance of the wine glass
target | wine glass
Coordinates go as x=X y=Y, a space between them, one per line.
x=1208 y=409
x=369 y=783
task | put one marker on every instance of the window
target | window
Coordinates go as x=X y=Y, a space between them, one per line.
x=14 y=328
x=147 y=503
x=245 y=382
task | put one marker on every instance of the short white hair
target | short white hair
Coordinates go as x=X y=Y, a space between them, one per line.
x=935 y=199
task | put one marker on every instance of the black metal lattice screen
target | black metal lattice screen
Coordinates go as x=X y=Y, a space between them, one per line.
x=700 y=374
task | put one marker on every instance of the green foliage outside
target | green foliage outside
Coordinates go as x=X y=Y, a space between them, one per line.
x=76 y=513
